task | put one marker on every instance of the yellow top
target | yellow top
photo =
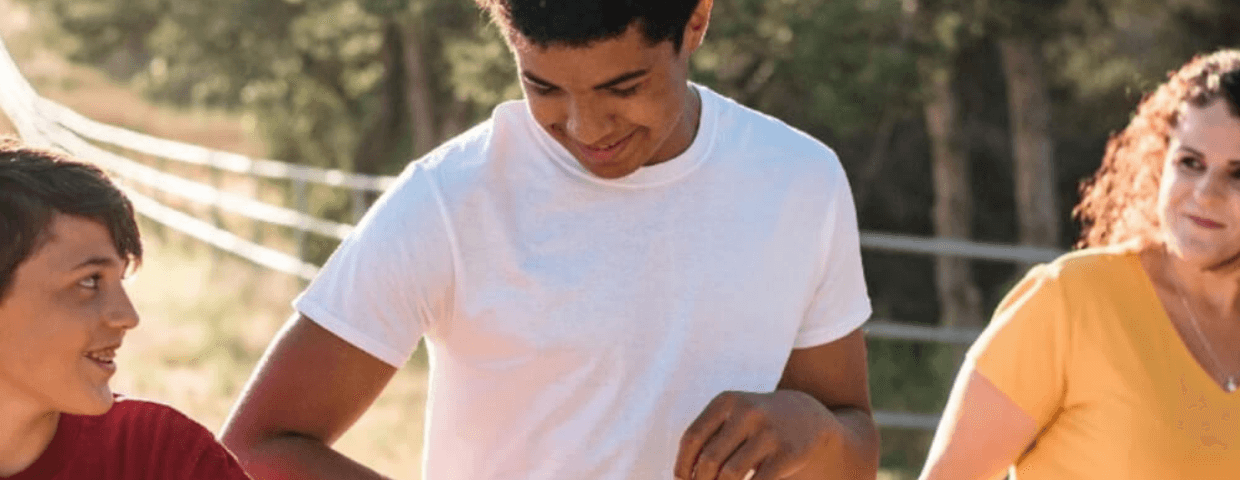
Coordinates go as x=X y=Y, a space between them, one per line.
x=1085 y=347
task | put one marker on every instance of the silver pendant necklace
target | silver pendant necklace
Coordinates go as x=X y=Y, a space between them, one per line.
x=1231 y=382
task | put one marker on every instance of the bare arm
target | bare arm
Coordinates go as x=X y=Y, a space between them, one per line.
x=817 y=424
x=836 y=376
x=981 y=434
x=308 y=389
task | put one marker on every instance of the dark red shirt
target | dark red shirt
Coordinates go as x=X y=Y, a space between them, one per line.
x=135 y=440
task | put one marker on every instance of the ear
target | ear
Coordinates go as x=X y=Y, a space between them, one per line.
x=695 y=29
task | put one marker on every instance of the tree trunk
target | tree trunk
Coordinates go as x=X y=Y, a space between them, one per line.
x=960 y=301
x=379 y=138
x=419 y=91
x=455 y=116
x=959 y=298
x=1029 y=113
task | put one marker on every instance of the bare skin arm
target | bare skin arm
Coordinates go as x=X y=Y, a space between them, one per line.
x=816 y=424
x=308 y=389
x=981 y=434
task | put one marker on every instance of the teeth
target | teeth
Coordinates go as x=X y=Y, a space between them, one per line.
x=103 y=356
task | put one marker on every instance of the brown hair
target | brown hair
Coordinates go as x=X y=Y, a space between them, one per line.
x=36 y=184
x=1119 y=204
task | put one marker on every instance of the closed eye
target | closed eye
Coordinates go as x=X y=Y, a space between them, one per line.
x=540 y=89
x=625 y=92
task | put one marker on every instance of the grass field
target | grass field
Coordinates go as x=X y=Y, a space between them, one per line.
x=206 y=316
x=206 y=319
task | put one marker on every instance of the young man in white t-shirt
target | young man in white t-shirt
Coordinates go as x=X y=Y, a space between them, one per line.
x=623 y=276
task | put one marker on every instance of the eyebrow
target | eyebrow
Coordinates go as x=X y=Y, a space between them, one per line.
x=96 y=262
x=1233 y=161
x=619 y=79
x=1190 y=150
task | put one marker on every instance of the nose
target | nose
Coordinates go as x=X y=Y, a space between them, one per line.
x=1208 y=188
x=121 y=313
x=588 y=122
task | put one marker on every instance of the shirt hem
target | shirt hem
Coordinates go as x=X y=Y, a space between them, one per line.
x=355 y=337
x=825 y=335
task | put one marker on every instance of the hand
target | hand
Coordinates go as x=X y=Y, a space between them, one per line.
x=763 y=436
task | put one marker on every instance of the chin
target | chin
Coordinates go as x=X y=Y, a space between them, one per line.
x=92 y=401
x=609 y=172
x=1206 y=258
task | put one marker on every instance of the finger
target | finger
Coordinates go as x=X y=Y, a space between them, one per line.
x=771 y=468
x=720 y=448
x=744 y=463
x=699 y=432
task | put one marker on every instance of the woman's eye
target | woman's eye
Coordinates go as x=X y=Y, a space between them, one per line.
x=1191 y=163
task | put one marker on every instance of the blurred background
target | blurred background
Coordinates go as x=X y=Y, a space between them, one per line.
x=965 y=126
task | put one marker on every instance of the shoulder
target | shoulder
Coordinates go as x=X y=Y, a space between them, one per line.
x=136 y=414
x=508 y=128
x=768 y=140
x=1076 y=282
x=470 y=158
x=165 y=440
x=152 y=425
x=1089 y=268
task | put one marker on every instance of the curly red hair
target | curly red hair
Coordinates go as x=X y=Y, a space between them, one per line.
x=1119 y=204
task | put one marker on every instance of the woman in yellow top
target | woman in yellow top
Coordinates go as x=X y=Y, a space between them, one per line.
x=1122 y=360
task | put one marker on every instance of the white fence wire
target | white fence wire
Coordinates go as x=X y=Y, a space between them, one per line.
x=45 y=123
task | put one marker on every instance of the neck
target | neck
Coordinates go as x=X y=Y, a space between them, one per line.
x=686 y=128
x=24 y=435
x=1215 y=290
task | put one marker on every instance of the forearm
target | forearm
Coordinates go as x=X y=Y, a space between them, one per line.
x=849 y=452
x=295 y=457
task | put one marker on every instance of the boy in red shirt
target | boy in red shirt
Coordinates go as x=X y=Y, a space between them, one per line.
x=67 y=238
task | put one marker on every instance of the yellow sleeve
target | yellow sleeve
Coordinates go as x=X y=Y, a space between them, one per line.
x=1025 y=349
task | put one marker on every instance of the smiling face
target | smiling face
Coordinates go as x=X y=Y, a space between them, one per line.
x=616 y=104
x=63 y=319
x=1199 y=198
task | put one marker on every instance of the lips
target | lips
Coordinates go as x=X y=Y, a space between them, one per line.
x=604 y=152
x=608 y=146
x=1205 y=222
x=103 y=357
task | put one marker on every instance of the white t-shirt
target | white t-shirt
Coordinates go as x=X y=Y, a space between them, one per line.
x=577 y=325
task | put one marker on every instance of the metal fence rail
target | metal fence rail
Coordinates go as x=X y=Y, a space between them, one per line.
x=42 y=122
x=197 y=155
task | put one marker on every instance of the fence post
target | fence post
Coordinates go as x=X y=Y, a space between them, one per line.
x=216 y=220
x=301 y=204
x=256 y=192
x=358 y=203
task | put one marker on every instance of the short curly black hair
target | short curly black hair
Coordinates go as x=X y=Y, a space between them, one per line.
x=577 y=23
x=37 y=184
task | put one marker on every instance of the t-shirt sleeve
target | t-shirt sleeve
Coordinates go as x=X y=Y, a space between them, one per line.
x=391 y=277
x=1025 y=349
x=841 y=302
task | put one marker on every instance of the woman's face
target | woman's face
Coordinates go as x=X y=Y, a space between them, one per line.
x=1199 y=198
